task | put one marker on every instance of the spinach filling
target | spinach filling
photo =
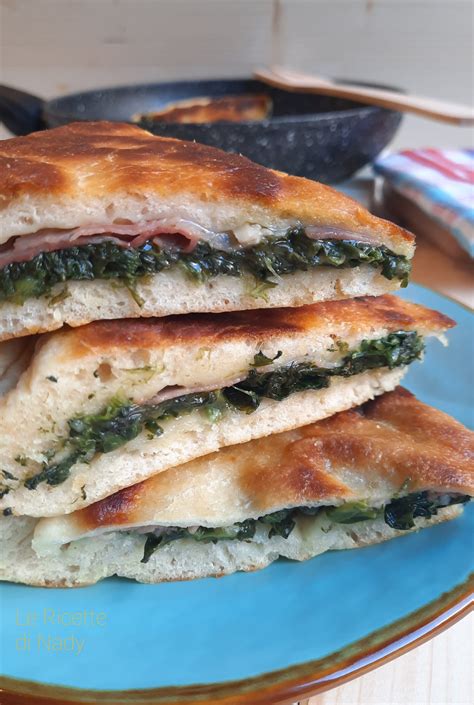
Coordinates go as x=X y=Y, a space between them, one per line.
x=272 y=257
x=121 y=422
x=398 y=514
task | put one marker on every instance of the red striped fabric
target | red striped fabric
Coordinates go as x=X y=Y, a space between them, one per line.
x=433 y=159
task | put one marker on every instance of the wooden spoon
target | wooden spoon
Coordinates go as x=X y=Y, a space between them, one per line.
x=295 y=81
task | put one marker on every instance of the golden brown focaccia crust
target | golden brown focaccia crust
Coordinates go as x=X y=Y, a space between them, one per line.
x=348 y=319
x=100 y=163
x=231 y=108
x=368 y=452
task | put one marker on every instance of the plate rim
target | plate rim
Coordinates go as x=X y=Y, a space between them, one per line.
x=280 y=686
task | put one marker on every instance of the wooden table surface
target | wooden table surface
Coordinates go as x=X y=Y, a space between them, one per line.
x=437 y=673
x=440 y=671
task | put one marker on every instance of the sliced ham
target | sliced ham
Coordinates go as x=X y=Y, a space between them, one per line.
x=22 y=251
x=174 y=391
x=123 y=234
x=170 y=232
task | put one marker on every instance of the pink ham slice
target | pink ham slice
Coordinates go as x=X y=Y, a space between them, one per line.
x=26 y=247
x=174 y=391
x=29 y=246
x=178 y=232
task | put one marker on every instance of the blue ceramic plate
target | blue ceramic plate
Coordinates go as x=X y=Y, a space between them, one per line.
x=258 y=637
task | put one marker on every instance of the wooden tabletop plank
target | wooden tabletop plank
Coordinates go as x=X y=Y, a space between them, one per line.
x=438 y=672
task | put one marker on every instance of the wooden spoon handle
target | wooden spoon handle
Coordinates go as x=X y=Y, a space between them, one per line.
x=427 y=107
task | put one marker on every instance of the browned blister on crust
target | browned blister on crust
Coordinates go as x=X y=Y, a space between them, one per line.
x=369 y=452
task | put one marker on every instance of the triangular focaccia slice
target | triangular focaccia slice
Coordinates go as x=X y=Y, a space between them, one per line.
x=106 y=405
x=360 y=477
x=105 y=220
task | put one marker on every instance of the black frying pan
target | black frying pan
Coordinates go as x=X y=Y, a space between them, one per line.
x=321 y=137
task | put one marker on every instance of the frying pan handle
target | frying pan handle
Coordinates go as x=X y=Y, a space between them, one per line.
x=20 y=112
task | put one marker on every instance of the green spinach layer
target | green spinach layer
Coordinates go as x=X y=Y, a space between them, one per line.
x=272 y=257
x=398 y=514
x=121 y=421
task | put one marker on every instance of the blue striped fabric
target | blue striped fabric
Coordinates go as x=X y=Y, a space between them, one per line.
x=440 y=182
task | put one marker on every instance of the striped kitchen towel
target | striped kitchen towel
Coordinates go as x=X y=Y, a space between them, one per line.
x=440 y=182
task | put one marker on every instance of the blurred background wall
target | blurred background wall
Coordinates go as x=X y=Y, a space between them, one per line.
x=51 y=47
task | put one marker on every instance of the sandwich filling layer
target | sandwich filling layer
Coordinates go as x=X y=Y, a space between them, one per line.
x=399 y=513
x=27 y=271
x=122 y=421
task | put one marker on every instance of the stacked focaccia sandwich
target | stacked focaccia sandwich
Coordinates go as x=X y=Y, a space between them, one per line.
x=107 y=423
